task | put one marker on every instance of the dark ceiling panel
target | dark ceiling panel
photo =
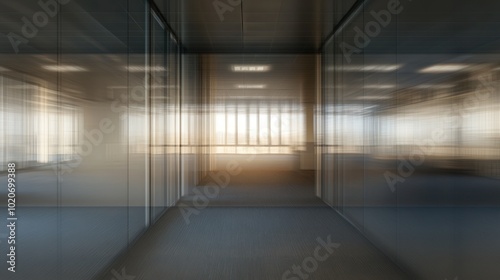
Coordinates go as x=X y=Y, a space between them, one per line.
x=262 y=26
x=262 y=6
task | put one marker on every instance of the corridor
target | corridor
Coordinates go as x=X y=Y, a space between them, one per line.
x=260 y=226
x=249 y=139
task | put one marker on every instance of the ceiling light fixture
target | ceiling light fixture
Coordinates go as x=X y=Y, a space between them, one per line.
x=368 y=68
x=251 y=68
x=64 y=68
x=431 y=86
x=379 y=86
x=374 y=97
x=444 y=68
x=251 y=86
x=141 y=68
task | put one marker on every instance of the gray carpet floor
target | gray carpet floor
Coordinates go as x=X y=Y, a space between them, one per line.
x=262 y=189
x=262 y=226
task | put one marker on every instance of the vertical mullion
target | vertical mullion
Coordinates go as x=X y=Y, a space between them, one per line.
x=247 y=119
x=235 y=128
x=236 y=120
x=2 y=122
x=147 y=83
x=225 y=125
x=258 y=123
x=269 y=140
x=166 y=112
x=280 y=118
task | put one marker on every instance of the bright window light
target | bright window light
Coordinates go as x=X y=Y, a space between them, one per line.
x=251 y=68
x=444 y=68
x=64 y=68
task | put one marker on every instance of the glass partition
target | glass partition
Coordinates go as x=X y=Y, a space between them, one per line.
x=90 y=114
x=408 y=141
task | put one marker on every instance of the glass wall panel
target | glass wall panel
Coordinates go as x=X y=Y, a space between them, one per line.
x=94 y=181
x=174 y=88
x=78 y=102
x=159 y=105
x=409 y=114
x=191 y=128
x=30 y=118
x=137 y=120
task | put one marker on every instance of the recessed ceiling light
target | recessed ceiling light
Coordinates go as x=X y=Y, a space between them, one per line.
x=368 y=68
x=251 y=68
x=444 y=68
x=64 y=68
x=24 y=86
x=153 y=86
x=160 y=87
x=381 y=67
x=379 y=86
x=141 y=68
x=251 y=86
x=431 y=86
x=374 y=97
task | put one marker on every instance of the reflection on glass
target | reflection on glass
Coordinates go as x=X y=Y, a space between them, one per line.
x=409 y=137
x=36 y=130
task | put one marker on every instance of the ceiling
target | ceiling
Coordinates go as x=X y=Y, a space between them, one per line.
x=246 y=26
x=110 y=34
x=287 y=77
x=253 y=26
